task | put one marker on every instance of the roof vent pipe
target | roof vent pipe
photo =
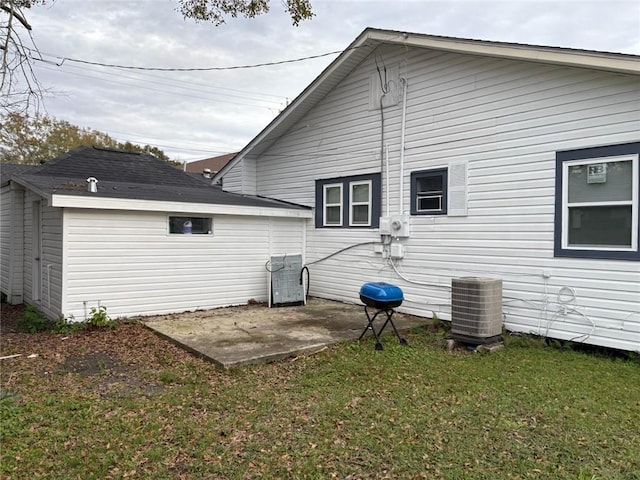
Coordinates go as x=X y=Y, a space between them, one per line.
x=92 y=184
x=206 y=173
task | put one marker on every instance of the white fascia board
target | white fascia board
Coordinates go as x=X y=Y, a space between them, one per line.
x=102 y=203
x=532 y=53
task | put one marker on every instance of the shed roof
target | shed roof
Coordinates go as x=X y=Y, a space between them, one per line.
x=372 y=38
x=8 y=170
x=130 y=175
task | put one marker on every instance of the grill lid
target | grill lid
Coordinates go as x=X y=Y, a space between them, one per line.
x=381 y=295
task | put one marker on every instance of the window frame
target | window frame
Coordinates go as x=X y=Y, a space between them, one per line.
x=191 y=218
x=430 y=173
x=346 y=183
x=353 y=203
x=325 y=205
x=608 y=154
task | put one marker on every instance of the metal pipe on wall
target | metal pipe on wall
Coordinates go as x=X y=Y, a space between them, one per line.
x=402 y=135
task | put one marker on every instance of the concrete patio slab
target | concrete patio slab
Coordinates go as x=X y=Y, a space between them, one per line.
x=257 y=334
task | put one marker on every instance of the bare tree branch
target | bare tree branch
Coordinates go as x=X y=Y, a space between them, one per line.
x=19 y=86
x=18 y=16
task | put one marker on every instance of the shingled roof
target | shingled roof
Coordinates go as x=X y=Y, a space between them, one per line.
x=8 y=170
x=130 y=175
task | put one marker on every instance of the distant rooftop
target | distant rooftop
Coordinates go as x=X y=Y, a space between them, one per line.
x=214 y=164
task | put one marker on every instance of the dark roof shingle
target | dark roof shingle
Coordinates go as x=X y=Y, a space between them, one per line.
x=131 y=175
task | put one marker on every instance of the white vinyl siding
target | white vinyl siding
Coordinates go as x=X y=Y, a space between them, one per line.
x=5 y=237
x=51 y=285
x=505 y=120
x=233 y=179
x=241 y=178
x=27 y=253
x=48 y=299
x=128 y=263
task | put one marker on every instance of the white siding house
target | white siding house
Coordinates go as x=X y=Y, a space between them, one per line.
x=67 y=250
x=505 y=161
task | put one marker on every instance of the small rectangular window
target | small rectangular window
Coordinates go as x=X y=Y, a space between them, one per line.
x=360 y=203
x=190 y=225
x=429 y=192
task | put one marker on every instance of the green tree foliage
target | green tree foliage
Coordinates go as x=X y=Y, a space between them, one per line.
x=34 y=140
x=216 y=11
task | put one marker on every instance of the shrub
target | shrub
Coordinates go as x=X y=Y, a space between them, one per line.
x=33 y=321
x=64 y=325
x=439 y=324
x=99 y=318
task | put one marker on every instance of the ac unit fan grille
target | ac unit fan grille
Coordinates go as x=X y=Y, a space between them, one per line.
x=476 y=309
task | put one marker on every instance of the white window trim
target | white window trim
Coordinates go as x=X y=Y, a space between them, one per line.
x=325 y=204
x=352 y=203
x=192 y=235
x=446 y=191
x=633 y=202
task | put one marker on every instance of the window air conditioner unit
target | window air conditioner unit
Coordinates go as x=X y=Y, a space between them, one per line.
x=476 y=310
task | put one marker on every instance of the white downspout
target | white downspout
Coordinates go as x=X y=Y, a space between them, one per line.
x=402 y=134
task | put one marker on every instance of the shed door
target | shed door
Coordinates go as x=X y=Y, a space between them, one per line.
x=36 y=247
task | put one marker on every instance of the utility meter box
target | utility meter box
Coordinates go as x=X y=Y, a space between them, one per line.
x=395 y=225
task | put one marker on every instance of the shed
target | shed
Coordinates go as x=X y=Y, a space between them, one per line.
x=150 y=240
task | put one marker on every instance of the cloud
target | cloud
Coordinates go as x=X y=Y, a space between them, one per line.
x=193 y=115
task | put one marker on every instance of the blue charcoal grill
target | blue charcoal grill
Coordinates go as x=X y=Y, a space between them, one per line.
x=382 y=298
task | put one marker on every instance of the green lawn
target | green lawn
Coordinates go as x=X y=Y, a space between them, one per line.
x=123 y=403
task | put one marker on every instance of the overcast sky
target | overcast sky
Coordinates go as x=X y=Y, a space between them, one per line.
x=195 y=115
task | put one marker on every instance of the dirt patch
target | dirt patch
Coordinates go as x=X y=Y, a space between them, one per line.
x=9 y=316
x=92 y=364
x=110 y=377
x=114 y=362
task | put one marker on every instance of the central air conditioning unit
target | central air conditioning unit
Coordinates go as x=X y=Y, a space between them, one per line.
x=476 y=310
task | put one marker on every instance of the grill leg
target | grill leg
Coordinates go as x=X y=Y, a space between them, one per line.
x=389 y=320
x=389 y=313
x=372 y=328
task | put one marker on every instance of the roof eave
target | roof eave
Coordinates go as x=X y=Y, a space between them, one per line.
x=34 y=188
x=110 y=203
x=612 y=62
x=370 y=38
x=358 y=48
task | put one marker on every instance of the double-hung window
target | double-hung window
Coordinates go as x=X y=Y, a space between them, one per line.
x=348 y=202
x=360 y=204
x=333 y=205
x=597 y=202
x=429 y=192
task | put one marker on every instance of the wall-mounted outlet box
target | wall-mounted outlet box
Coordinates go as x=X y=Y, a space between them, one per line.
x=397 y=250
x=385 y=226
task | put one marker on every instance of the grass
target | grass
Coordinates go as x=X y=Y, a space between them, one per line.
x=349 y=412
